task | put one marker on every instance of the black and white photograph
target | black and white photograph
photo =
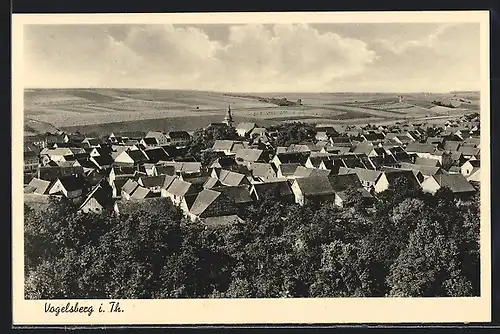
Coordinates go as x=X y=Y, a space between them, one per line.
x=249 y=160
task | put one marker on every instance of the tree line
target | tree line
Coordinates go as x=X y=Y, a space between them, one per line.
x=409 y=244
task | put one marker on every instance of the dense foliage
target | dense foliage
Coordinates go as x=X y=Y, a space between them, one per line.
x=412 y=244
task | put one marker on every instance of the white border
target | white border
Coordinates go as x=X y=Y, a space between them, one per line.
x=254 y=311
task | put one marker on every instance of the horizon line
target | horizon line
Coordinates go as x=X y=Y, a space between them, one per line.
x=258 y=92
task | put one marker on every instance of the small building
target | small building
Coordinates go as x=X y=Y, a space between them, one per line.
x=245 y=128
x=457 y=183
x=312 y=189
x=277 y=190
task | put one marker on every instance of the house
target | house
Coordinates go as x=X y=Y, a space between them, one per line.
x=457 y=183
x=71 y=186
x=197 y=181
x=248 y=155
x=177 y=190
x=141 y=193
x=390 y=176
x=230 y=178
x=239 y=195
x=178 y=138
x=427 y=162
x=49 y=173
x=262 y=171
x=314 y=160
x=153 y=183
x=287 y=170
x=426 y=171
x=368 y=178
x=469 y=167
x=102 y=161
x=331 y=165
x=128 y=189
x=116 y=186
x=98 y=199
x=189 y=168
x=290 y=158
x=341 y=183
x=225 y=162
x=163 y=170
x=312 y=189
x=92 y=142
x=211 y=203
x=302 y=171
x=156 y=137
x=420 y=149
x=38 y=186
x=121 y=171
x=131 y=157
x=225 y=146
x=55 y=154
x=149 y=142
x=156 y=154
x=341 y=196
x=245 y=128
x=277 y=190
x=469 y=152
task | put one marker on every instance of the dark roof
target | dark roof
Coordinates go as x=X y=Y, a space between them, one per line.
x=238 y=194
x=131 y=134
x=293 y=157
x=103 y=160
x=156 y=154
x=223 y=162
x=165 y=170
x=137 y=155
x=314 y=186
x=288 y=168
x=73 y=182
x=276 y=188
x=150 y=141
x=392 y=174
x=124 y=170
x=343 y=182
x=152 y=181
x=53 y=173
x=457 y=183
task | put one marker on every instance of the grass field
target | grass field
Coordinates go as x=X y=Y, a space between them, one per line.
x=109 y=110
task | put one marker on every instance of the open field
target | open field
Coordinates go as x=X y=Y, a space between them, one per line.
x=105 y=110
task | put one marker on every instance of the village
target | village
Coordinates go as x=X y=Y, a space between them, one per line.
x=110 y=172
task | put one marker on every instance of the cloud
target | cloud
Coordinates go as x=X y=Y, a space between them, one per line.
x=254 y=57
x=428 y=42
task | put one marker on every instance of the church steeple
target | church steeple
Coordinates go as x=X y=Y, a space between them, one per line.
x=229 y=118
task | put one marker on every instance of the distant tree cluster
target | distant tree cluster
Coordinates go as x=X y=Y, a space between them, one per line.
x=293 y=133
x=411 y=245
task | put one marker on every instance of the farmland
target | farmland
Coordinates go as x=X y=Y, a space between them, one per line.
x=105 y=110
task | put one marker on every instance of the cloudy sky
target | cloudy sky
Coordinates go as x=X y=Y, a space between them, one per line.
x=372 y=57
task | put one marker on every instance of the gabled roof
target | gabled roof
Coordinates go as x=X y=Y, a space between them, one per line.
x=247 y=126
x=230 y=178
x=102 y=160
x=101 y=193
x=223 y=145
x=203 y=201
x=238 y=194
x=425 y=170
x=262 y=169
x=474 y=163
x=138 y=156
x=288 y=169
x=165 y=170
x=343 y=182
x=426 y=162
x=248 y=154
x=152 y=181
x=39 y=186
x=167 y=182
x=129 y=186
x=156 y=154
x=180 y=188
x=467 y=150
x=302 y=171
x=72 y=182
x=293 y=157
x=420 y=148
x=457 y=183
x=223 y=162
x=392 y=174
x=123 y=170
x=279 y=188
x=367 y=174
x=212 y=182
x=314 y=186
x=140 y=193
x=150 y=141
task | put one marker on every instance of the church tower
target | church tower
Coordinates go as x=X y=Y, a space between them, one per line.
x=229 y=118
